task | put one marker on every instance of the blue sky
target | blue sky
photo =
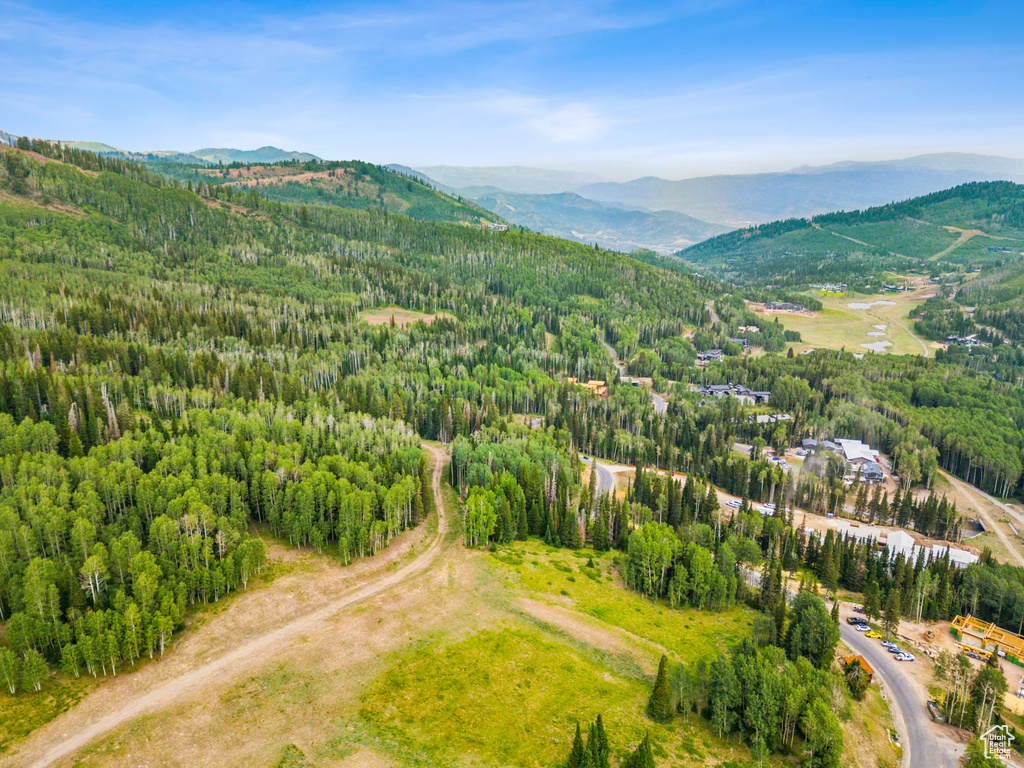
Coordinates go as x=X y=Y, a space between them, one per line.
x=671 y=89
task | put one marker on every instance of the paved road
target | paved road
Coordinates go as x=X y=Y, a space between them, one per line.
x=924 y=744
x=605 y=477
x=660 y=403
x=615 y=358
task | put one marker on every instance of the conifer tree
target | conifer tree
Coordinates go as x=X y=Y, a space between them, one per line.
x=872 y=609
x=659 y=707
x=892 y=613
x=576 y=754
x=642 y=757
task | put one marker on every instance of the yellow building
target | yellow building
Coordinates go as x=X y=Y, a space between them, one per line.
x=597 y=386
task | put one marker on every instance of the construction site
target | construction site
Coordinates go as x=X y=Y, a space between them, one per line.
x=980 y=639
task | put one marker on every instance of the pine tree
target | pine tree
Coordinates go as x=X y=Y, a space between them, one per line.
x=659 y=707
x=872 y=608
x=835 y=612
x=601 y=744
x=892 y=612
x=642 y=757
x=522 y=526
x=576 y=754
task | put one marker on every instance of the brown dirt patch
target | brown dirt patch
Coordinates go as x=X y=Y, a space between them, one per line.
x=401 y=317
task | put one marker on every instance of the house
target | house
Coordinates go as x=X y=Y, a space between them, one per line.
x=771 y=418
x=710 y=355
x=742 y=342
x=828 y=445
x=871 y=472
x=863 y=665
x=783 y=306
x=738 y=391
x=496 y=227
x=809 y=444
x=596 y=386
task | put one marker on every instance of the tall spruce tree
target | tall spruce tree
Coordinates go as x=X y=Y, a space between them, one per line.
x=659 y=707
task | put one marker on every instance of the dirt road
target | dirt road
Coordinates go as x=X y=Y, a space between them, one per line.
x=978 y=498
x=56 y=744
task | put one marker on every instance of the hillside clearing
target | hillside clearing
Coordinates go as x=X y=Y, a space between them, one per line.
x=840 y=326
x=401 y=317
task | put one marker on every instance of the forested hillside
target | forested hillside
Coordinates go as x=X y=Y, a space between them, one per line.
x=177 y=365
x=960 y=230
x=344 y=184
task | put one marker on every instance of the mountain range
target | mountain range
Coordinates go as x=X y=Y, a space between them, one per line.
x=708 y=204
x=573 y=217
x=207 y=156
x=653 y=213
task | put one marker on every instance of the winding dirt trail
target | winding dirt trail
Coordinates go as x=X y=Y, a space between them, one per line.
x=977 y=498
x=57 y=743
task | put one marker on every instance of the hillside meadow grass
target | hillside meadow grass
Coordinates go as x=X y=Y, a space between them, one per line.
x=511 y=694
x=838 y=326
x=563 y=577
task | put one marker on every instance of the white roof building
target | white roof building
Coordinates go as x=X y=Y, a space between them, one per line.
x=856 y=451
x=901 y=542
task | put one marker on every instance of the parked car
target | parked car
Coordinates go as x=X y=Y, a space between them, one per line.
x=889 y=644
x=873 y=635
x=905 y=657
x=734 y=504
x=858 y=608
x=862 y=627
x=855 y=620
x=893 y=648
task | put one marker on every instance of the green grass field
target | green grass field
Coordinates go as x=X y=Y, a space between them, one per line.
x=690 y=635
x=512 y=693
x=839 y=326
x=23 y=713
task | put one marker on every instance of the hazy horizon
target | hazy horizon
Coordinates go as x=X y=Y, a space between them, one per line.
x=675 y=90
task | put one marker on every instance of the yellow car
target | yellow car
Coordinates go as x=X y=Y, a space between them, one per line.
x=874 y=635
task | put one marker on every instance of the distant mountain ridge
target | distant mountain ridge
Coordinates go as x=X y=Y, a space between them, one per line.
x=573 y=217
x=970 y=227
x=510 y=178
x=741 y=200
x=207 y=156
